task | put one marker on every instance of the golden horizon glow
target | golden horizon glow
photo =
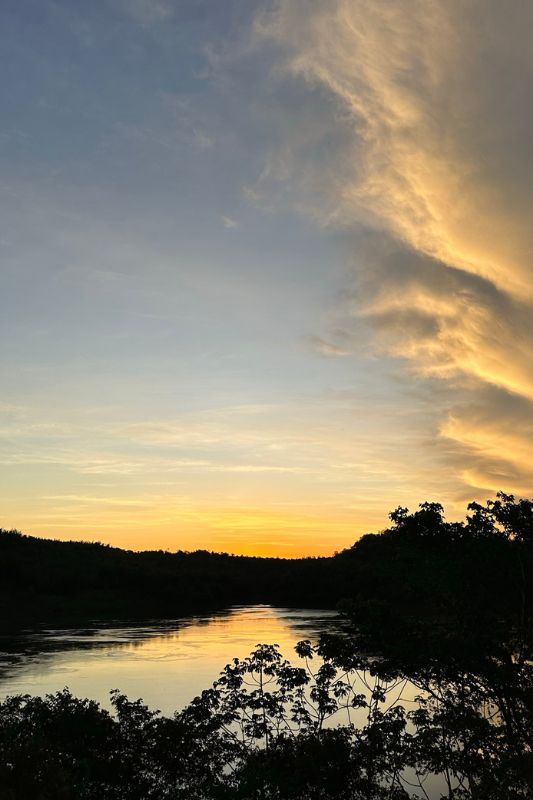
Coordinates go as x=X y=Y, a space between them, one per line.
x=249 y=531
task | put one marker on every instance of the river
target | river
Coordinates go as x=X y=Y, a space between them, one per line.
x=165 y=662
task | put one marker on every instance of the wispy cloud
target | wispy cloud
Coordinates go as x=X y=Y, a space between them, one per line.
x=202 y=139
x=326 y=348
x=146 y=12
x=230 y=222
x=435 y=159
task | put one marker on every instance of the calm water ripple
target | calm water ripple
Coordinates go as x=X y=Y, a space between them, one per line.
x=167 y=662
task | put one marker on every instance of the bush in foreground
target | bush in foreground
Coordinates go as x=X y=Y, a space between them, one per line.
x=268 y=730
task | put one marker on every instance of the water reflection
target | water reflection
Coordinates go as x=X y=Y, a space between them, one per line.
x=166 y=662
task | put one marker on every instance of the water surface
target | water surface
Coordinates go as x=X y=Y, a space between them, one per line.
x=167 y=662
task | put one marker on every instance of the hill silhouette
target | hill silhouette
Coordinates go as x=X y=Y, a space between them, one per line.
x=423 y=568
x=43 y=579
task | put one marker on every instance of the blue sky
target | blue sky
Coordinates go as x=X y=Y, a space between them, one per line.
x=202 y=343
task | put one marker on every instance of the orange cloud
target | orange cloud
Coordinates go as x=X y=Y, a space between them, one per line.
x=431 y=97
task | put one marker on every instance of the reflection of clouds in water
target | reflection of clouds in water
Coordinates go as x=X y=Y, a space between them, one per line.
x=32 y=647
x=167 y=663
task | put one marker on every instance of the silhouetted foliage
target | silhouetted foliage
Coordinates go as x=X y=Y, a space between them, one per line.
x=268 y=729
x=422 y=567
x=42 y=580
x=428 y=586
x=431 y=685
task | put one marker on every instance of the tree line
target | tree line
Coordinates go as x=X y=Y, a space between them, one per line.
x=422 y=565
x=443 y=608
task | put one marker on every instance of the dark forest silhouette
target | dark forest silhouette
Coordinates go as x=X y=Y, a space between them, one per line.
x=445 y=606
x=420 y=566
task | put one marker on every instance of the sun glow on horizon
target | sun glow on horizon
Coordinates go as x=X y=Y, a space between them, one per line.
x=246 y=531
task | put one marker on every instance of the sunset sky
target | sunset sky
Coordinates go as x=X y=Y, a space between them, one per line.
x=266 y=267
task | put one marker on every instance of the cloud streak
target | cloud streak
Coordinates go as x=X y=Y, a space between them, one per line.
x=433 y=173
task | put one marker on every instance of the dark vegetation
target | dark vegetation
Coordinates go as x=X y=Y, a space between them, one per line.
x=422 y=565
x=43 y=580
x=441 y=611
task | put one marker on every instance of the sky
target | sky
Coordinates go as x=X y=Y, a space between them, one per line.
x=265 y=267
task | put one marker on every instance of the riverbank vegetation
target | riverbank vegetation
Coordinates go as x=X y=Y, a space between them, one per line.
x=330 y=727
x=421 y=565
x=428 y=693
